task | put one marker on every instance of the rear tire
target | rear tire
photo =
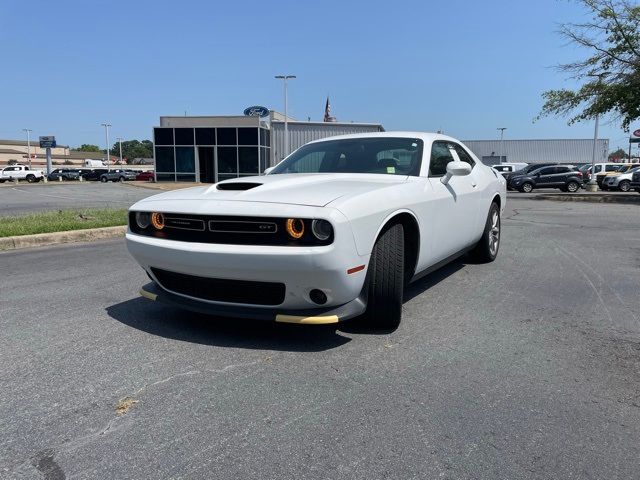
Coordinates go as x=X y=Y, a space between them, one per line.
x=121 y=179
x=624 y=185
x=487 y=248
x=573 y=187
x=103 y=179
x=385 y=280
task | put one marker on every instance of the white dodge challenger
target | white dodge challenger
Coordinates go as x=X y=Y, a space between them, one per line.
x=334 y=231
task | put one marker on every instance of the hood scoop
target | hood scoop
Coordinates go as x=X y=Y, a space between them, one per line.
x=237 y=186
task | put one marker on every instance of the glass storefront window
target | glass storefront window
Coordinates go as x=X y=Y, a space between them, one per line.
x=184 y=136
x=227 y=136
x=163 y=136
x=164 y=159
x=227 y=159
x=186 y=178
x=248 y=136
x=265 y=137
x=248 y=159
x=264 y=158
x=185 y=159
x=166 y=177
x=205 y=136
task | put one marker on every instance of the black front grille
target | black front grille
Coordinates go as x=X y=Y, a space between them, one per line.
x=222 y=290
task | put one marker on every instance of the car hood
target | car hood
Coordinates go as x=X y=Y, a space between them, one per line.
x=317 y=189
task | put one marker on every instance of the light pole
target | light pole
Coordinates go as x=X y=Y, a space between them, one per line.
x=106 y=139
x=286 y=113
x=120 y=144
x=502 y=129
x=28 y=130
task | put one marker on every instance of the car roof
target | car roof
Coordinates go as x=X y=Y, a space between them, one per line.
x=425 y=136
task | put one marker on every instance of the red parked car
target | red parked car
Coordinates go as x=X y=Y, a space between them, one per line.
x=145 y=176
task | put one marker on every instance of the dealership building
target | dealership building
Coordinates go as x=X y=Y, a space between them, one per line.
x=210 y=149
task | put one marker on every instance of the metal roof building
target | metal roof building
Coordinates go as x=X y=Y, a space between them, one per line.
x=538 y=151
x=305 y=132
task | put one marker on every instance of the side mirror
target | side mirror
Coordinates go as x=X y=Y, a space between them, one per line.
x=456 y=169
x=267 y=170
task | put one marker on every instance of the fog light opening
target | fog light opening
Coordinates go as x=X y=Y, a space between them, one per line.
x=157 y=220
x=318 y=296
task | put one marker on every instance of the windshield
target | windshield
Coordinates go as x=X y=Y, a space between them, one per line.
x=382 y=155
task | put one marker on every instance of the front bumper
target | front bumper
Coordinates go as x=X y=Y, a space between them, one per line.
x=312 y=316
x=300 y=269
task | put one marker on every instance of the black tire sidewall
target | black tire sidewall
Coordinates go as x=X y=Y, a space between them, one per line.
x=624 y=182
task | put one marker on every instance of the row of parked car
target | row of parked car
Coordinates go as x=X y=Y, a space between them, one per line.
x=99 y=174
x=570 y=178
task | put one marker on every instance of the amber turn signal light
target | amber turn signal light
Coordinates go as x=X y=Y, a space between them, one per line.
x=295 y=227
x=157 y=220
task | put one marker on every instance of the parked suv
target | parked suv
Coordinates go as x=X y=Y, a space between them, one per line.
x=524 y=171
x=118 y=175
x=620 y=181
x=94 y=175
x=602 y=169
x=64 y=174
x=566 y=178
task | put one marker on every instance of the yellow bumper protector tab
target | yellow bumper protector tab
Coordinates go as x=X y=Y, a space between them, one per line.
x=307 y=320
x=149 y=295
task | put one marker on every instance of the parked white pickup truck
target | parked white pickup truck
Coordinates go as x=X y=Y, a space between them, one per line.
x=20 y=172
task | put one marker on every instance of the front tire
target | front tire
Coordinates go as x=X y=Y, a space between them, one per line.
x=526 y=187
x=31 y=178
x=624 y=185
x=103 y=179
x=385 y=280
x=487 y=248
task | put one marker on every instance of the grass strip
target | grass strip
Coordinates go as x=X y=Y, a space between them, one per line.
x=62 y=221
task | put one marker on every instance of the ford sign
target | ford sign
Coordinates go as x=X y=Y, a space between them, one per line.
x=256 y=111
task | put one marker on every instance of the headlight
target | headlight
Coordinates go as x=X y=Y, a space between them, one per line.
x=143 y=219
x=321 y=229
x=157 y=220
x=295 y=227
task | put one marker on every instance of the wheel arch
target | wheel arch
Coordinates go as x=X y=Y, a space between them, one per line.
x=411 y=227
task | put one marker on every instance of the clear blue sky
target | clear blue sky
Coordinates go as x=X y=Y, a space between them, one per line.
x=467 y=67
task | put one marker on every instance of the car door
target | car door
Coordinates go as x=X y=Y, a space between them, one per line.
x=545 y=178
x=453 y=207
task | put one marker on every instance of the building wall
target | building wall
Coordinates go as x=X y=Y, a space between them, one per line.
x=538 y=151
x=305 y=132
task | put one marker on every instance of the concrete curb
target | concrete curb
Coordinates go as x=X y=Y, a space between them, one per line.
x=43 y=239
x=631 y=199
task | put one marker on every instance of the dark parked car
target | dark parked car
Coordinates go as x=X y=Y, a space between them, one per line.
x=524 y=171
x=64 y=174
x=635 y=182
x=94 y=175
x=118 y=175
x=566 y=178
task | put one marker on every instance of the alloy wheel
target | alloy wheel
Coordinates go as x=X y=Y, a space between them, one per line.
x=494 y=233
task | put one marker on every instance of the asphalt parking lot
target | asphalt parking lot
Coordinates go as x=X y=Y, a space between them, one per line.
x=525 y=368
x=31 y=198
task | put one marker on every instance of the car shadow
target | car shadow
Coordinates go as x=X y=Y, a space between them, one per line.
x=413 y=290
x=177 y=324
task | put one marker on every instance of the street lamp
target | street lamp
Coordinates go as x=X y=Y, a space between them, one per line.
x=28 y=130
x=502 y=129
x=106 y=138
x=120 y=143
x=286 y=113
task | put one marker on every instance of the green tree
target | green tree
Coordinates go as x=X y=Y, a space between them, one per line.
x=611 y=72
x=133 y=149
x=89 y=148
x=620 y=153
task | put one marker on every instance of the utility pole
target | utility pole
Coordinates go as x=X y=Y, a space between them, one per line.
x=502 y=129
x=285 y=78
x=28 y=130
x=106 y=137
x=120 y=143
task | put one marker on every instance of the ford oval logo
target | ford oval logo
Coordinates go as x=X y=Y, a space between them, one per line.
x=636 y=133
x=256 y=111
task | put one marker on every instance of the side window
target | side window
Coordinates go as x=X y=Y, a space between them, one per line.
x=440 y=157
x=598 y=168
x=611 y=168
x=547 y=171
x=562 y=169
x=465 y=157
